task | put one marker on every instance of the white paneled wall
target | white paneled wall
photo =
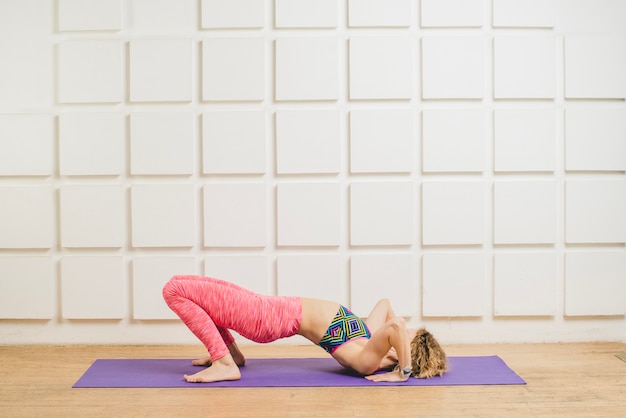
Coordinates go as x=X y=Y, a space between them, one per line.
x=464 y=158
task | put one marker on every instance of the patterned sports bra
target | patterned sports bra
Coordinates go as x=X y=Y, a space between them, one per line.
x=344 y=327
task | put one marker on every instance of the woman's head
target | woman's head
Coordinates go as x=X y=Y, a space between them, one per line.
x=427 y=357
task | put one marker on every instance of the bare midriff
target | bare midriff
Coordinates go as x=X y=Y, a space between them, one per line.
x=316 y=316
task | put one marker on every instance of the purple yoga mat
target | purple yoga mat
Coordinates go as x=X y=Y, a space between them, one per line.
x=283 y=372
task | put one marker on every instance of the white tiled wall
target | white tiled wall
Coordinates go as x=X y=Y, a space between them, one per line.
x=464 y=158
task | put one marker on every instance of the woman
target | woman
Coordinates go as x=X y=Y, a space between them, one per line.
x=210 y=307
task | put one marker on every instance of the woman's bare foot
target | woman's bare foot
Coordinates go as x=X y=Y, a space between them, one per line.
x=238 y=357
x=204 y=361
x=221 y=370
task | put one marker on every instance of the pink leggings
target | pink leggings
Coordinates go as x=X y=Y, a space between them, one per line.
x=210 y=307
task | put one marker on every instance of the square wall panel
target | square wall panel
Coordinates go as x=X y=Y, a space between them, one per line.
x=162 y=17
x=382 y=213
x=453 y=140
x=524 y=67
x=594 y=211
x=307 y=68
x=453 y=213
x=15 y=12
x=381 y=67
x=309 y=214
x=27 y=71
x=161 y=143
x=163 y=215
x=28 y=286
x=525 y=140
x=233 y=69
x=306 y=13
x=80 y=15
x=308 y=141
x=313 y=276
x=595 y=139
x=161 y=70
x=91 y=144
x=93 y=287
x=524 y=13
x=27 y=217
x=525 y=212
x=92 y=216
x=453 y=285
x=595 y=283
x=452 y=13
x=381 y=141
x=397 y=271
x=234 y=142
x=379 y=13
x=595 y=67
x=27 y=146
x=220 y=14
x=90 y=71
x=453 y=67
x=247 y=271
x=235 y=215
x=149 y=276
x=523 y=277
x=585 y=16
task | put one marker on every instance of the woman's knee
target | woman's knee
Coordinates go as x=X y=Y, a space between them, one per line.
x=171 y=289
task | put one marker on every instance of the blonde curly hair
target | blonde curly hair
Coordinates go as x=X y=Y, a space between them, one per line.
x=427 y=357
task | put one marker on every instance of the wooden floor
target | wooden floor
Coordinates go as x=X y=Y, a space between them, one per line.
x=563 y=380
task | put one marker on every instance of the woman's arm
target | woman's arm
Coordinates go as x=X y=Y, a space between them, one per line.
x=392 y=333
x=380 y=314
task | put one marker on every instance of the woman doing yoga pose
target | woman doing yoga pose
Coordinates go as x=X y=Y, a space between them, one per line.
x=211 y=307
